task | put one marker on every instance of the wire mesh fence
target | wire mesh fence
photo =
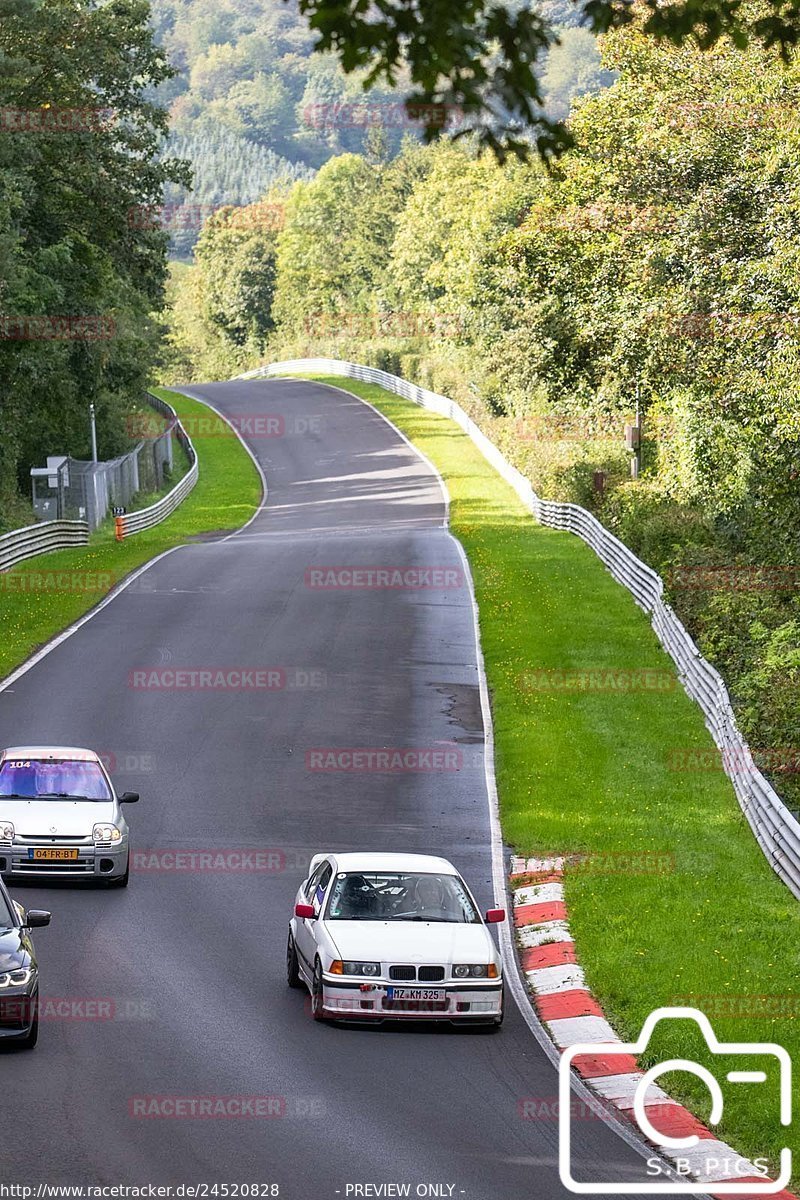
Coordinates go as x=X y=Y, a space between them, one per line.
x=72 y=489
x=146 y=518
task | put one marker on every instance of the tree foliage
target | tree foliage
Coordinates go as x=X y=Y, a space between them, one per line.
x=482 y=57
x=68 y=247
x=657 y=263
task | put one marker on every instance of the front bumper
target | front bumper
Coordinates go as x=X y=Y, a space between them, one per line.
x=93 y=862
x=469 y=1002
x=17 y=1014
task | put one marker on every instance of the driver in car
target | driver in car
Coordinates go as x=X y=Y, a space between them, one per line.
x=358 y=899
x=429 y=895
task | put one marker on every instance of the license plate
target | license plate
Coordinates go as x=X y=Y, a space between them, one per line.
x=393 y=993
x=54 y=855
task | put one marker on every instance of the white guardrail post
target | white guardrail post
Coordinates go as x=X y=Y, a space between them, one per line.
x=145 y=518
x=776 y=829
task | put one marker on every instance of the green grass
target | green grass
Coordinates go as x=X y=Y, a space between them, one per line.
x=589 y=771
x=42 y=595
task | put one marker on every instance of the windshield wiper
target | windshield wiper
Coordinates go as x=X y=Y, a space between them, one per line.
x=431 y=920
x=58 y=796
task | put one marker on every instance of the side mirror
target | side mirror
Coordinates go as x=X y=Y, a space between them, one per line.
x=129 y=798
x=495 y=916
x=36 y=918
x=306 y=911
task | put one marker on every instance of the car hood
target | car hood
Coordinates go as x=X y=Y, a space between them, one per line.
x=56 y=818
x=411 y=941
x=12 y=952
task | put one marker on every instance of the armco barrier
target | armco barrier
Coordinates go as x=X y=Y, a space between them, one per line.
x=20 y=544
x=146 y=518
x=777 y=831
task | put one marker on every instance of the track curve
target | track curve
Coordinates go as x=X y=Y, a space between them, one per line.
x=192 y=961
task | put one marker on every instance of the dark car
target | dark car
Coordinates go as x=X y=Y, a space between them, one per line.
x=19 y=973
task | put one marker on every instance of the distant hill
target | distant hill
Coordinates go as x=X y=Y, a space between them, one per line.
x=251 y=105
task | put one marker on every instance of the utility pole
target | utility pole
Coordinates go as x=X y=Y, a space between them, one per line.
x=94 y=431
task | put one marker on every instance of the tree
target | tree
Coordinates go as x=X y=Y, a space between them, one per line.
x=572 y=70
x=70 y=248
x=482 y=58
x=236 y=256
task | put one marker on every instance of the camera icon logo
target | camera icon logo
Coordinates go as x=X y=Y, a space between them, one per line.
x=675 y=1148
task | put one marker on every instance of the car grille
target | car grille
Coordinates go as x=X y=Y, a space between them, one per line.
x=49 y=839
x=20 y=863
x=424 y=975
x=84 y=864
x=402 y=972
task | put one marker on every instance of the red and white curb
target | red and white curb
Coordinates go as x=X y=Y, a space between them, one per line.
x=572 y=1016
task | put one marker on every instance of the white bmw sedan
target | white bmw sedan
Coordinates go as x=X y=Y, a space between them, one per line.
x=377 y=936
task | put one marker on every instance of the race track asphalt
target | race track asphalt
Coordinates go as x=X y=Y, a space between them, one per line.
x=191 y=962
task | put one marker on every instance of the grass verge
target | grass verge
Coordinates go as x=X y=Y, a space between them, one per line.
x=43 y=595
x=676 y=903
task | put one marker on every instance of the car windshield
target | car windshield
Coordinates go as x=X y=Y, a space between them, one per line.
x=400 y=896
x=47 y=779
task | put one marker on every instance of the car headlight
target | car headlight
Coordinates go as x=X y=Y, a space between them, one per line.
x=475 y=971
x=6 y=831
x=16 y=978
x=106 y=833
x=370 y=969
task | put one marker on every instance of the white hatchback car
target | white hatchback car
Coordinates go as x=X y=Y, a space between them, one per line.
x=60 y=817
x=377 y=936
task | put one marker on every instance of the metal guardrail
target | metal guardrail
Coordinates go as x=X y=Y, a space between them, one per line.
x=146 y=518
x=24 y=543
x=776 y=829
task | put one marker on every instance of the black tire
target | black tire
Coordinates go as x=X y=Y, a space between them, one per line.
x=292 y=967
x=32 y=1037
x=316 y=993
